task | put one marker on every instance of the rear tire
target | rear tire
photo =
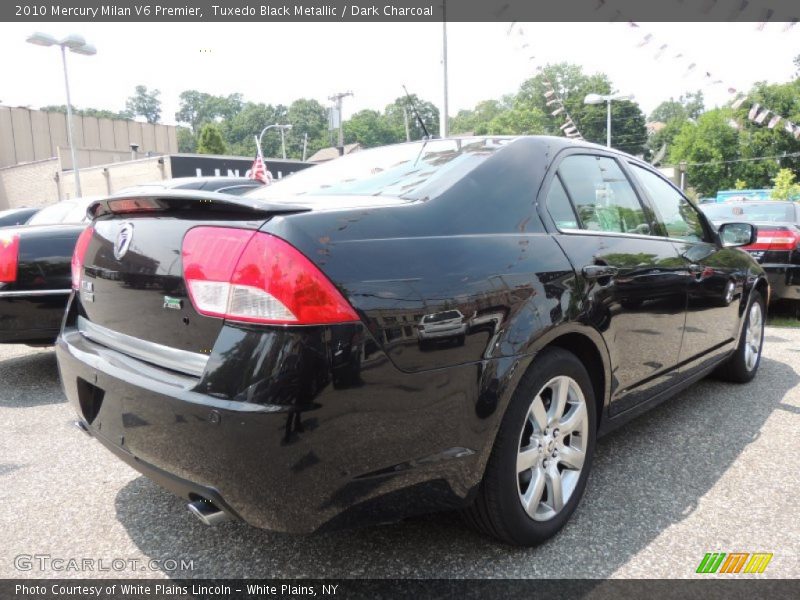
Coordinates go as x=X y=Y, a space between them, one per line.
x=742 y=366
x=537 y=471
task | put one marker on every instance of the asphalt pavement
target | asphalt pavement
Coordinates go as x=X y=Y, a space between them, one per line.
x=715 y=469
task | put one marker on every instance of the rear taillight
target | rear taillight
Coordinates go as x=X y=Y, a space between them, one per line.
x=776 y=238
x=9 y=255
x=257 y=278
x=79 y=254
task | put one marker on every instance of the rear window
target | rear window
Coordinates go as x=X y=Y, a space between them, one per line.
x=742 y=211
x=414 y=171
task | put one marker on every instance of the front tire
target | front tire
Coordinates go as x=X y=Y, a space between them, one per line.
x=537 y=472
x=743 y=365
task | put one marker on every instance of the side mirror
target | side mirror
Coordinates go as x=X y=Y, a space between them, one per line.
x=733 y=235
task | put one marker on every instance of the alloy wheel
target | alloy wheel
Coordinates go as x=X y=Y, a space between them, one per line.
x=753 y=335
x=552 y=448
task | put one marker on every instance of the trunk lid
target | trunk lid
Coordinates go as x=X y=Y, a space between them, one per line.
x=132 y=277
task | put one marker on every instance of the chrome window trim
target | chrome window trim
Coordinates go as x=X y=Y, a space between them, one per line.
x=183 y=361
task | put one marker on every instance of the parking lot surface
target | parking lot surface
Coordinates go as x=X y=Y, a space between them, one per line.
x=715 y=469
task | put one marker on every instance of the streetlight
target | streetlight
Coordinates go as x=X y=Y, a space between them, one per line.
x=599 y=99
x=78 y=45
x=284 y=129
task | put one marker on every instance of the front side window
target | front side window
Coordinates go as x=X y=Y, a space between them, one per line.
x=680 y=218
x=603 y=197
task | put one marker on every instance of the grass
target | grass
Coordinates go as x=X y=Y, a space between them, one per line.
x=783 y=314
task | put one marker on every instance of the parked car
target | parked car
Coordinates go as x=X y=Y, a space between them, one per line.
x=444 y=325
x=250 y=371
x=16 y=216
x=222 y=185
x=777 y=248
x=35 y=271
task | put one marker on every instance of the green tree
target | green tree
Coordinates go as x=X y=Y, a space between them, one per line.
x=688 y=106
x=572 y=85
x=306 y=116
x=479 y=120
x=210 y=140
x=393 y=113
x=785 y=186
x=709 y=146
x=144 y=103
x=186 y=140
x=368 y=128
x=240 y=130
x=740 y=184
x=100 y=113
x=197 y=108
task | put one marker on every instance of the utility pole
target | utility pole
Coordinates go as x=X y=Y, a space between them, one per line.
x=337 y=102
x=305 y=145
x=405 y=120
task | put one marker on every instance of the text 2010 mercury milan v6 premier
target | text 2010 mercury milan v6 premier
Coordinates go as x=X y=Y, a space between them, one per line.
x=260 y=355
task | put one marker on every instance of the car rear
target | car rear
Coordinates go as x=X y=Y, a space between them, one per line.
x=34 y=281
x=777 y=250
x=191 y=341
x=212 y=343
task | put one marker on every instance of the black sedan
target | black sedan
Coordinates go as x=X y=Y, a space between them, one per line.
x=16 y=216
x=35 y=272
x=35 y=260
x=260 y=356
x=777 y=248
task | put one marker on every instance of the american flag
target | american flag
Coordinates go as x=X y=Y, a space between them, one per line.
x=259 y=170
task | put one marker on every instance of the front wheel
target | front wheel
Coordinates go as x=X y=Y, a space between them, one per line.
x=541 y=458
x=743 y=365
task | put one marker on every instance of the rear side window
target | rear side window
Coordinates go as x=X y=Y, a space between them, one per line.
x=680 y=218
x=559 y=207
x=603 y=197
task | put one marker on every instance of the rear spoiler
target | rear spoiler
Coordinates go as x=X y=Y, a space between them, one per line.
x=170 y=200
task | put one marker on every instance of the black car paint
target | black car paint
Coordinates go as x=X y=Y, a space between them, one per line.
x=32 y=308
x=298 y=428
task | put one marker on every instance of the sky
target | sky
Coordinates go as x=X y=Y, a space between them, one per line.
x=277 y=63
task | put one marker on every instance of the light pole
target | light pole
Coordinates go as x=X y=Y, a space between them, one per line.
x=444 y=125
x=78 y=45
x=284 y=129
x=599 y=99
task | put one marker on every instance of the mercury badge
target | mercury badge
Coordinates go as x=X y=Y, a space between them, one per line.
x=123 y=241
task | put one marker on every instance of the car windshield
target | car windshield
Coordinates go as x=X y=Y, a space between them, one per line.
x=413 y=171
x=742 y=211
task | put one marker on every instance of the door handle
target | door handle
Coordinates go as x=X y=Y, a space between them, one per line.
x=599 y=271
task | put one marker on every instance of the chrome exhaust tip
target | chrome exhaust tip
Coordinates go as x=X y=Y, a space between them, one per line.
x=207 y=512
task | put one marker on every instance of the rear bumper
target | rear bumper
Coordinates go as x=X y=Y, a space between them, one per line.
x=359 y=442
x=31 y=319
x=784 y=281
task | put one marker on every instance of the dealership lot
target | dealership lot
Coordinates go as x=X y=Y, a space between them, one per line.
x=712 y=470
